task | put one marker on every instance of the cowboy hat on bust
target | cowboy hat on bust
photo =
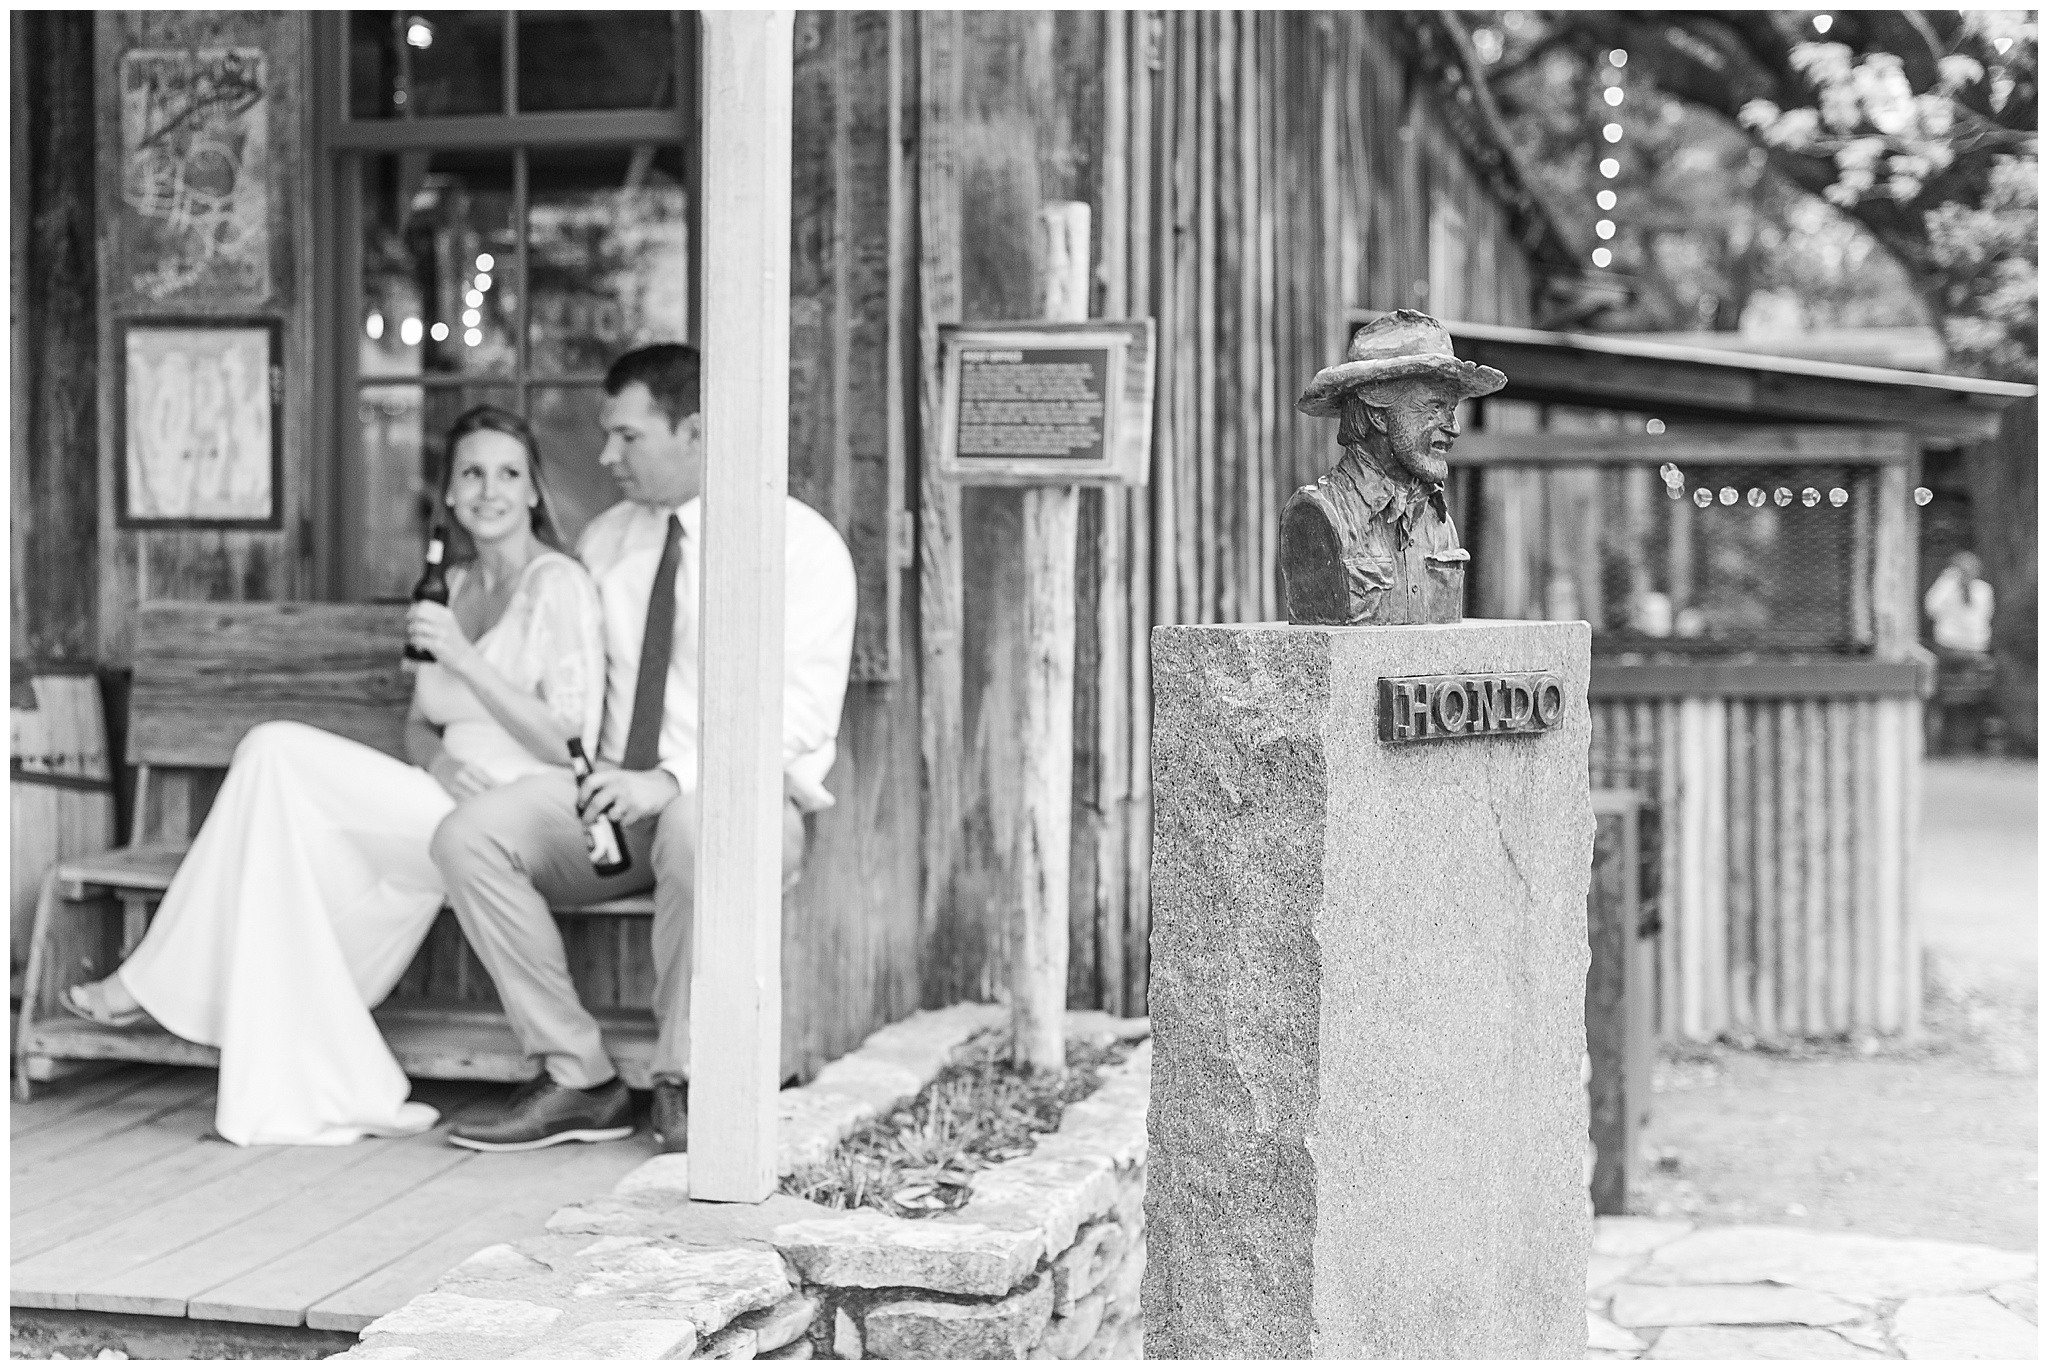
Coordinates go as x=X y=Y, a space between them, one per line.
x=1403 y=345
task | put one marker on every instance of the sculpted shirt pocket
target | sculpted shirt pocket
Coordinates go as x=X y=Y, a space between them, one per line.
x=1369 y=577
x=1443 y=590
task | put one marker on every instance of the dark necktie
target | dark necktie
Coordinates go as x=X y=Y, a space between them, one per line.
x=643 y=736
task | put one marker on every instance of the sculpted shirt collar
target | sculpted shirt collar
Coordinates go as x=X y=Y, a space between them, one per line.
x=1378 y=490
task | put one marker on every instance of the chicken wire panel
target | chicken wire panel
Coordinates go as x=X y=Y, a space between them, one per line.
x=1733 y=558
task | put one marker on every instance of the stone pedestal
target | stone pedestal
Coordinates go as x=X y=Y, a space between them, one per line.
x=1368 y=979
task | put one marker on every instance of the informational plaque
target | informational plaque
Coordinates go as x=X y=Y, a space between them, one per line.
x=1046 y=403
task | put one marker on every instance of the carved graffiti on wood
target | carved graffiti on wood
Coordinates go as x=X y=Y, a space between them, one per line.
x=195 y=161
x=1419 y=707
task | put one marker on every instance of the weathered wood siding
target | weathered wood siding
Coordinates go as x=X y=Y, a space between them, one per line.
x=1010 y=118
x=1253 y=177
x=55 y=325
x=1281 y=169
x=1786 y=829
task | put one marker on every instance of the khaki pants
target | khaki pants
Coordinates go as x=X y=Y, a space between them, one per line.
x=511 y=853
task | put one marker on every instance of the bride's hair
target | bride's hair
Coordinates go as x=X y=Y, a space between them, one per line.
x=490 y=418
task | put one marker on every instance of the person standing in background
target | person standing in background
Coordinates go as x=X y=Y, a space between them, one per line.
x=1960 y=604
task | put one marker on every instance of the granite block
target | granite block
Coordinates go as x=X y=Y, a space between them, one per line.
x=1368 y=983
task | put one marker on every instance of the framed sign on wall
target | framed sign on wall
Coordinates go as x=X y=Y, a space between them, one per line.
x=199 y=423
x=1046 y=403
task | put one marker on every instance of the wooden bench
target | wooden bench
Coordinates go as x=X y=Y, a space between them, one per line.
x=204 y=675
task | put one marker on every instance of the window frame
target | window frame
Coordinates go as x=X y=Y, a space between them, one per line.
x=341 y=144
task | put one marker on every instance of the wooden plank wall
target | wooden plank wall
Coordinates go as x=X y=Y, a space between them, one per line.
x=138 y=566
x=1254 y=177
x=851 y=932
x=1785 y=833
x=1010 y=118
x=55 y=332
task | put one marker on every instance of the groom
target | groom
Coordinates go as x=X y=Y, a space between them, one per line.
x=510 y=853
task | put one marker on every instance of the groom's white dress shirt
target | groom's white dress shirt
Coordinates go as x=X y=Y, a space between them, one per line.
x=622 y=548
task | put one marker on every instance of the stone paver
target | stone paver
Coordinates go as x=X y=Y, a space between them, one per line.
x=1603 y=1335
x=710 y=1288
x=2022 y=1297
x=1847 y=1264
x=1726 y=1305
x=1602 y=1271
x=1963 y=1327
x=1779 y=1293
x=1755 y=1343
x=870 y=1250
x=652 y=1339
x=922 y=1329
x=435 y=1314
x=1635 y=1236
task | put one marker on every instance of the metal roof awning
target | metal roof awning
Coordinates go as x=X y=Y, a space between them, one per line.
x=1698 y=384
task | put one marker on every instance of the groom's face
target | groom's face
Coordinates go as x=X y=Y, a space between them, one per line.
x=653 y=462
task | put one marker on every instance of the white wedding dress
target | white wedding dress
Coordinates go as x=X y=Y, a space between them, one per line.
x=310 y=886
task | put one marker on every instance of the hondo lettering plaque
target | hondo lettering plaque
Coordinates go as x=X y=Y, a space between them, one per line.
x=1421 y=708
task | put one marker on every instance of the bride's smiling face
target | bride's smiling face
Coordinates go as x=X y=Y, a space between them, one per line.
x=491 y=490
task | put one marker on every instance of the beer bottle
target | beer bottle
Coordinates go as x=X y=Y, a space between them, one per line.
x=601 y=836
x=432 y=585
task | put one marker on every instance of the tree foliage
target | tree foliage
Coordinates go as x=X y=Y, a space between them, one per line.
x=1918 y=126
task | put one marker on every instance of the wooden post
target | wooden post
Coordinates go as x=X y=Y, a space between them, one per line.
x=1038 y=990
x=736 y=976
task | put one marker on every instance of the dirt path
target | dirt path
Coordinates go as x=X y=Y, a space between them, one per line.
x=1937 y=1140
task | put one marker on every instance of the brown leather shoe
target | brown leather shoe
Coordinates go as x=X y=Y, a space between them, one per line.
x=671 y=1114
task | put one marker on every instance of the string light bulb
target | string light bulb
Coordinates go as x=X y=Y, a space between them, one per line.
x=1613 y=95
x=1606 y=199
x=1602 y=258
x=1605 y=228
x=1610 y=168
x=1618 y=57
x=1823 y=22
x=1612 y=133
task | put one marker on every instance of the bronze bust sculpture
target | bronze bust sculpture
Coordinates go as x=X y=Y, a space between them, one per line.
x=1372 y=541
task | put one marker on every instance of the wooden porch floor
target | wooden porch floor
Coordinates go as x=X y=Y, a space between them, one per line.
x=122 y=1202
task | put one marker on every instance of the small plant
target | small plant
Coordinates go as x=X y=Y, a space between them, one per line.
x=978 y=1112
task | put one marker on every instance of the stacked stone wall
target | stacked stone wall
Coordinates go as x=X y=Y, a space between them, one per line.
x=1043 y=1262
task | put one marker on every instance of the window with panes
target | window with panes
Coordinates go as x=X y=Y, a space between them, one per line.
x=513 y=208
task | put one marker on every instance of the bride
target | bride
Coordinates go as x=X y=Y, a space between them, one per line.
x=310 y=886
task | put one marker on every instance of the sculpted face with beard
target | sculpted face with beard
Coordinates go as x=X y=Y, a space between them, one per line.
x=1405 y=428
x=1372 y=542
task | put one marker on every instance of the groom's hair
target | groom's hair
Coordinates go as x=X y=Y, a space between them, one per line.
x=668 y=370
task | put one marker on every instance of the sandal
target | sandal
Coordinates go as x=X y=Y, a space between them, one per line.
x=92 y=1007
